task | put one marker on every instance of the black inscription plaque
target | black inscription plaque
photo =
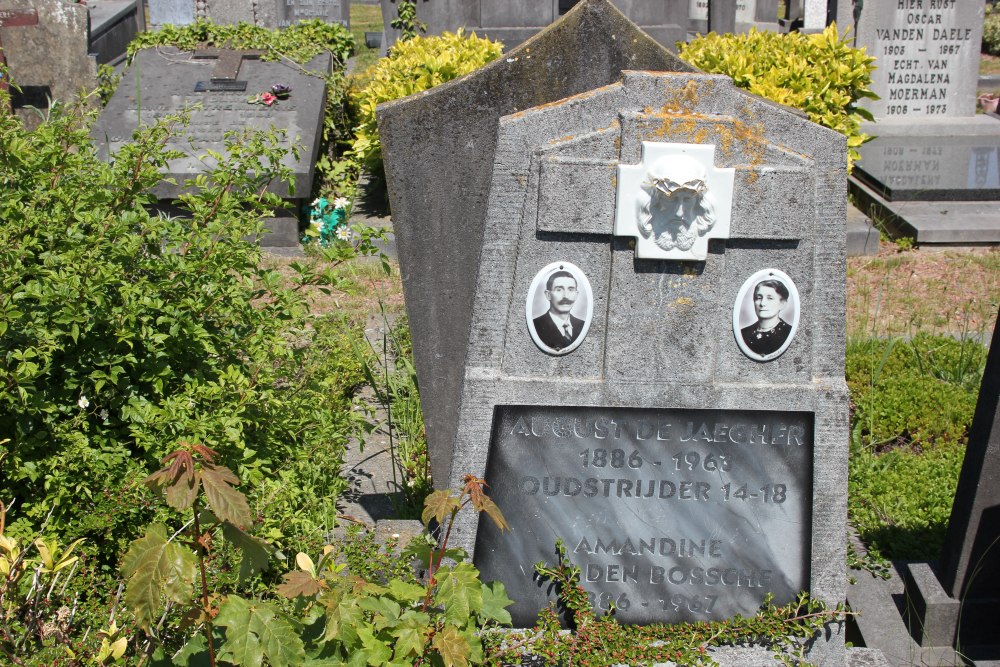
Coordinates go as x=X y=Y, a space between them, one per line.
x=672 y=515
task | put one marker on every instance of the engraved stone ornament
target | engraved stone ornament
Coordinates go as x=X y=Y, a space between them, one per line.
x=673 y=201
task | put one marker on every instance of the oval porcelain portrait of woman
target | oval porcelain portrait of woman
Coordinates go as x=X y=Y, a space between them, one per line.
x=766 y=314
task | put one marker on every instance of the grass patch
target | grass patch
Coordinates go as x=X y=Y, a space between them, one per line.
x=941 y=292
x=365 y=18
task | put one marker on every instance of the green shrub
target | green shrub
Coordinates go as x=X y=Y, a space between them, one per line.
x=991 y=31
x=298 y=42
x=913 y=402
x=917 y=393
x=122 y=333
x=821 y=74
x=413 y=66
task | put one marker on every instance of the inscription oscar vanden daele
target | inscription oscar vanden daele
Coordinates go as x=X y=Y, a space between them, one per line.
x=671 y=514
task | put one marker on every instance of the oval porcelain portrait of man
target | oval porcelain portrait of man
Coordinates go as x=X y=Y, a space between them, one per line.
x=766 y=314
x=558 y=308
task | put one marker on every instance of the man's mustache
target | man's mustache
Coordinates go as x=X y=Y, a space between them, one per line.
x=566 y=302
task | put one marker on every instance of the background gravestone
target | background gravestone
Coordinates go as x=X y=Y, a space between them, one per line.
x=631 y=448
x=113 y=24
x=745 y=15
x=930 y=146
x=264 y=13
x=513 y=21
x=435 y=205
x=927 y=58
x=171 y=80
x=48 y=58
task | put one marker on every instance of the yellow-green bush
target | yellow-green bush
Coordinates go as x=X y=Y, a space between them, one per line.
x=820 y=74
x=991 y=31
x=414 y=66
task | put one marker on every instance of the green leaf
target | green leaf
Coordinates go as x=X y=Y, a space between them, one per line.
x=411 y=634
x=378 y=652
x=459 y=592
x=257 y=630
x=452 y=646
x=298 y=583
x=156 y=569
x=256 y=552
x=406 y=592
x=438 y=505
x=227 y=503
x=495 y=602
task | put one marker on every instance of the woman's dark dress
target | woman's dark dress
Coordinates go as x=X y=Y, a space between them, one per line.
x=765 y=342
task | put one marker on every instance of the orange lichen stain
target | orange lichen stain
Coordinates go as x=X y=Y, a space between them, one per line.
x=521 y=180
x=614 y=181
x=683 y=303
x=568 y=137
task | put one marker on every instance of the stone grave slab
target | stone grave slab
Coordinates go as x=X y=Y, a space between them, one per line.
x=425 y=137
x=932 y=162
x=58 y=30
x=916 y=168
x=220 y=83
x=514 y=21
x=689 y=469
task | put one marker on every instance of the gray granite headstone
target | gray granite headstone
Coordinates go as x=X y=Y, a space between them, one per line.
x=47 y=54
x=929 y=145
x=927 y=54
x=687 y=477
x=332 y=11
x=513 y=21
x=264 y=13
x=171 y=12
x=161 y=82
x=439 y=209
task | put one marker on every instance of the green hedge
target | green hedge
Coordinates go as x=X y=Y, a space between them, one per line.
x=821 y=74
x=414 y=66
x=991 y=31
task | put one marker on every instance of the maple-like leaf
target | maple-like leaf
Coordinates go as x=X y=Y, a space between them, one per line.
x=474 y=486
x=459 y=592
x=182 y=492
x=379 y=653
x=452 y=646
x=156 y=568
x=411 y=634
x=495 y=603
x=439 y=505
x=299 y=583
x=493 y=512
x=227 y=503
x=406 y=592
x=178 y=481
x=255 y=631
x=256 y=552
